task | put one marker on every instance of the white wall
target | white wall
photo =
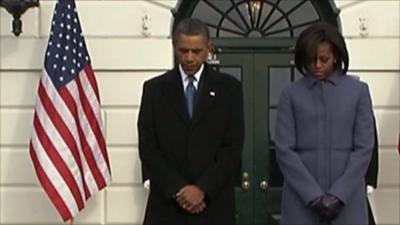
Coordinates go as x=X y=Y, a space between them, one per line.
x=376 y=59
x=123 y=58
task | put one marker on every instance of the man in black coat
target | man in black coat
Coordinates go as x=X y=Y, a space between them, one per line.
x=191 y=131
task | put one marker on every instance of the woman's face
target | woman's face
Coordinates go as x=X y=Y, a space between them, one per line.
x=323 y=63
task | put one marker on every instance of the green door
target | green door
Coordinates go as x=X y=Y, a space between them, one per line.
x=259 y=183
x=254 y=39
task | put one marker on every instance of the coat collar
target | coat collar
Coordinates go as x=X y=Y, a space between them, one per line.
x=205 y=97
x=335 y=78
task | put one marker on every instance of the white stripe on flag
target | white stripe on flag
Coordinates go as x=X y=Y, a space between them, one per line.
x=60 y=146
x=53 y=175
x=88 y=135
x=91 y=96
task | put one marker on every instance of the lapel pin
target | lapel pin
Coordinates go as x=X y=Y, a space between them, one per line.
x=212 y=93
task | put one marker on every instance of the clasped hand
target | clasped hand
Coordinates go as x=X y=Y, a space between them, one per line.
x=191 y=198
x=327 y=206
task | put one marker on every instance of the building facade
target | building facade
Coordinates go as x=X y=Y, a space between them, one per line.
x=129 y=41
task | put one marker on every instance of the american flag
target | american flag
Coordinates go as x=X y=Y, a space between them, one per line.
x=67 y=147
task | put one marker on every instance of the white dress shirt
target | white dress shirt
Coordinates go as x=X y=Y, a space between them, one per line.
x=185 y=80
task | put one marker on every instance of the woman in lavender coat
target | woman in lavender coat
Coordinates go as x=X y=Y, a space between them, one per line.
x=324 y=135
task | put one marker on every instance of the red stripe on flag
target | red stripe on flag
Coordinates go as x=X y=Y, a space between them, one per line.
x=59 y=123
x=58 y=162
x=90 y=114
x=49 y=187
x=93 y=166
x=73 y=108
x=92 y=79
x=87 y=151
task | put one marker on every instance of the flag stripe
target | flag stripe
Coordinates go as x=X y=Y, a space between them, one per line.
x=56 y=179
x=74 y=106
x=49 y=187
x=90 y=142
x=67 y=140
x=87 y=81
x=92 y=93
x=92 y=81
x=60 y=118
x=56 y=159
x=73 y=89
x=67 y=97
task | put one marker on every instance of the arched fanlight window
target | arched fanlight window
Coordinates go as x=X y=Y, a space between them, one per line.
x=257 y=18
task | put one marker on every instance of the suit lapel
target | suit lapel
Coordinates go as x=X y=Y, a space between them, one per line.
x=206 y=94
x=175 y=94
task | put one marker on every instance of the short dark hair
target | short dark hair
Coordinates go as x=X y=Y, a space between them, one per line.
x=309 y=40
x=190 y=26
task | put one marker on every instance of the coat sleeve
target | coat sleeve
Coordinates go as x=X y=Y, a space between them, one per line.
x=371 y=178
x=161 y=175
x=295 y=173
x=354 y=175
x=229 y=155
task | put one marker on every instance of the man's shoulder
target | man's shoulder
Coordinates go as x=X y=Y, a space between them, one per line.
x=159 y=78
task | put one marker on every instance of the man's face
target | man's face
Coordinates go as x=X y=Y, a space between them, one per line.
x=191 y=51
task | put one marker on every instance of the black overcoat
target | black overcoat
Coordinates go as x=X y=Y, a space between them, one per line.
x=205 y=150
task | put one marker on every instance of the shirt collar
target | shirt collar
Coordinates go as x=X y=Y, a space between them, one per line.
x=334 y=78
x=197 y=75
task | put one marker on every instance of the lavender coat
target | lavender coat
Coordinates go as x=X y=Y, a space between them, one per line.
x=324 y=140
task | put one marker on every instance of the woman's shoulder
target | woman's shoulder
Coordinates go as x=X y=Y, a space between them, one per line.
x=354 y=81
x=352 y=86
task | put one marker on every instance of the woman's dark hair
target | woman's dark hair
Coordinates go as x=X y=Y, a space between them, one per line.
x=311 y=38
x=190 y=27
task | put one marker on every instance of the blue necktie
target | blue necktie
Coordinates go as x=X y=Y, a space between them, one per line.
x=190 y=94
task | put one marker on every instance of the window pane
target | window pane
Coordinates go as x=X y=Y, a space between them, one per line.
x=243 y=9
x=223 y=33
x=288 y=5
x=266 y=10
x=279 y=77
x=227 y=24
x=274 y=17
x=279 y=26
x=297 y=31
x=222 y=5
x=272 y=122
x=304 y=14
x=233 y=71
x=234 y=15
x=213 y=17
